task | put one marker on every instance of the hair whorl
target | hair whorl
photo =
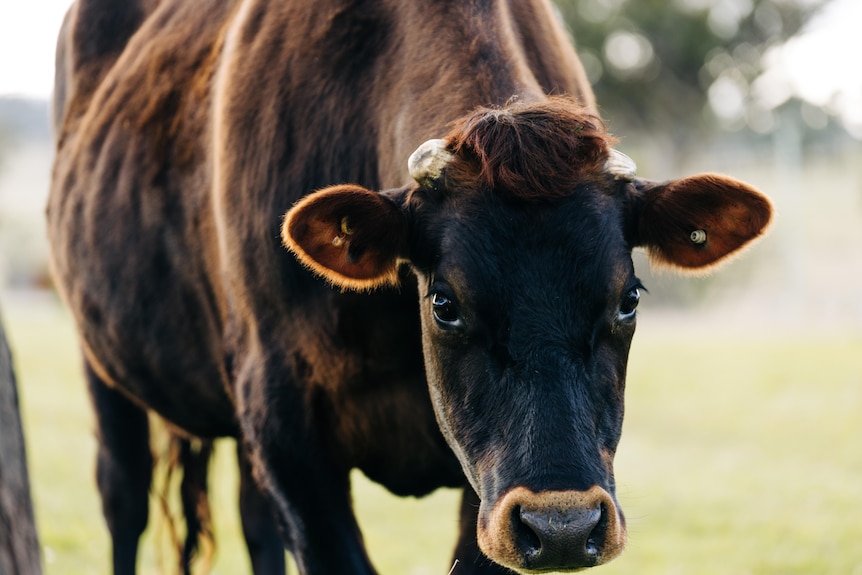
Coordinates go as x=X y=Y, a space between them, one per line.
x=528 y=151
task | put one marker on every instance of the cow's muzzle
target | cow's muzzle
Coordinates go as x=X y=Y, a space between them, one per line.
x=552 y=530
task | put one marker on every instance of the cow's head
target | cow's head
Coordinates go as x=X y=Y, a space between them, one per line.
x=520 y=228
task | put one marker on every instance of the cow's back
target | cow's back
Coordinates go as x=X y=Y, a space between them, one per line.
x=128 y=214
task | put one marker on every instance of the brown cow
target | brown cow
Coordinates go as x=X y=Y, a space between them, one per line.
x=191 y=127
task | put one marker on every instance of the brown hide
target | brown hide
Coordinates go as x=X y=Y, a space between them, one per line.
x=188 y=128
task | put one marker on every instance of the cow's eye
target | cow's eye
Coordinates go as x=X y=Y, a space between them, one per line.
x=444 y=309
x=629 y=304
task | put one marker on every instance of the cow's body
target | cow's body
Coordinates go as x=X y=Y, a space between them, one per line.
x=190 y=128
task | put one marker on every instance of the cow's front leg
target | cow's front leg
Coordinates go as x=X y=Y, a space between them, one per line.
x=265 y=545
x=288 y=440
x=468 y=559
x=124 y=468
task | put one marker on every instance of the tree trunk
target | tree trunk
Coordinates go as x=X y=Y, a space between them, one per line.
x=19 y=543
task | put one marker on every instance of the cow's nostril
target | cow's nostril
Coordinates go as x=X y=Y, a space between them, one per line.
x=526 y=537
x=591 y=549
x=597 y=535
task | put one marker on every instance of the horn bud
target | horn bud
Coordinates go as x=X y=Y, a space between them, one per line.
x=428 y=161
x=620 y=166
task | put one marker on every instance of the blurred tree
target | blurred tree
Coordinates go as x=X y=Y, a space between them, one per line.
x=682 y=67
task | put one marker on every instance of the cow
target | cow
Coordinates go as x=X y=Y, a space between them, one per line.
x=387 y=235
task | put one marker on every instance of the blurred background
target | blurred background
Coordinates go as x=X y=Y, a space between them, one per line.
x=741 y=448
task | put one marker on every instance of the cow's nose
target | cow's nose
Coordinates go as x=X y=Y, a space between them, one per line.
x=556 y=538
x=553 y=530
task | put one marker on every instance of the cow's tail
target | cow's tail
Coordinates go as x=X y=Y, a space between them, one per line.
x=195 y=458
x=191 y=458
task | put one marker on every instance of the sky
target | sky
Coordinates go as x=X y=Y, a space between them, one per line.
x=821 y=65
x=28 y=35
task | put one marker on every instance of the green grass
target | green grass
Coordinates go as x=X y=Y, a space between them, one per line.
x=740 y=454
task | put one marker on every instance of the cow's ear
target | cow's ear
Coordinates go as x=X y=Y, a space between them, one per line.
x=351 y=236
x=696 y=223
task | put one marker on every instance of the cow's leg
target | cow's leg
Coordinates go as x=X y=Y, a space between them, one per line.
x=265 y=545
x=286 y=430
x=470 y=560
x=124 y=469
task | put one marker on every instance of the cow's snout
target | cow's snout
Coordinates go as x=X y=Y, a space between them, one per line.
x=552 y=530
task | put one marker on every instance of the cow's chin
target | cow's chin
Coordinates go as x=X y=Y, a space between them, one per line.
x=551 y=530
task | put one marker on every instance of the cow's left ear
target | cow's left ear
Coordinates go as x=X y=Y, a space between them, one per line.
x=350 y=235
x=696 y=223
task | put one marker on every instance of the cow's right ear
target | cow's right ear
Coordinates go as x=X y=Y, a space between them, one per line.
x=351 y=236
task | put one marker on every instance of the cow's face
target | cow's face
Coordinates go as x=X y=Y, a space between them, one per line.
x=528 y=301
x=528 y=311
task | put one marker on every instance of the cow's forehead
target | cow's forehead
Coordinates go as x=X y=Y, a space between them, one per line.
x=572 y=245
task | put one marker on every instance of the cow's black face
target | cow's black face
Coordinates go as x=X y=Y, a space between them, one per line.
x=528 y=310
x=519 y=227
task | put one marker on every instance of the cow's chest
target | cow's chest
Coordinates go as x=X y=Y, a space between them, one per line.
x=369 y=399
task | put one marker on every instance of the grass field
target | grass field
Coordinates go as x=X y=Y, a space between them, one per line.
x=741 y=453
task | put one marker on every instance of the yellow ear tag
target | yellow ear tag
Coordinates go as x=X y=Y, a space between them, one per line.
x=346 y=230
x=345 y=227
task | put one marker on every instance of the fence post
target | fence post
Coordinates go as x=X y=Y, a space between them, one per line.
x=19 y=542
